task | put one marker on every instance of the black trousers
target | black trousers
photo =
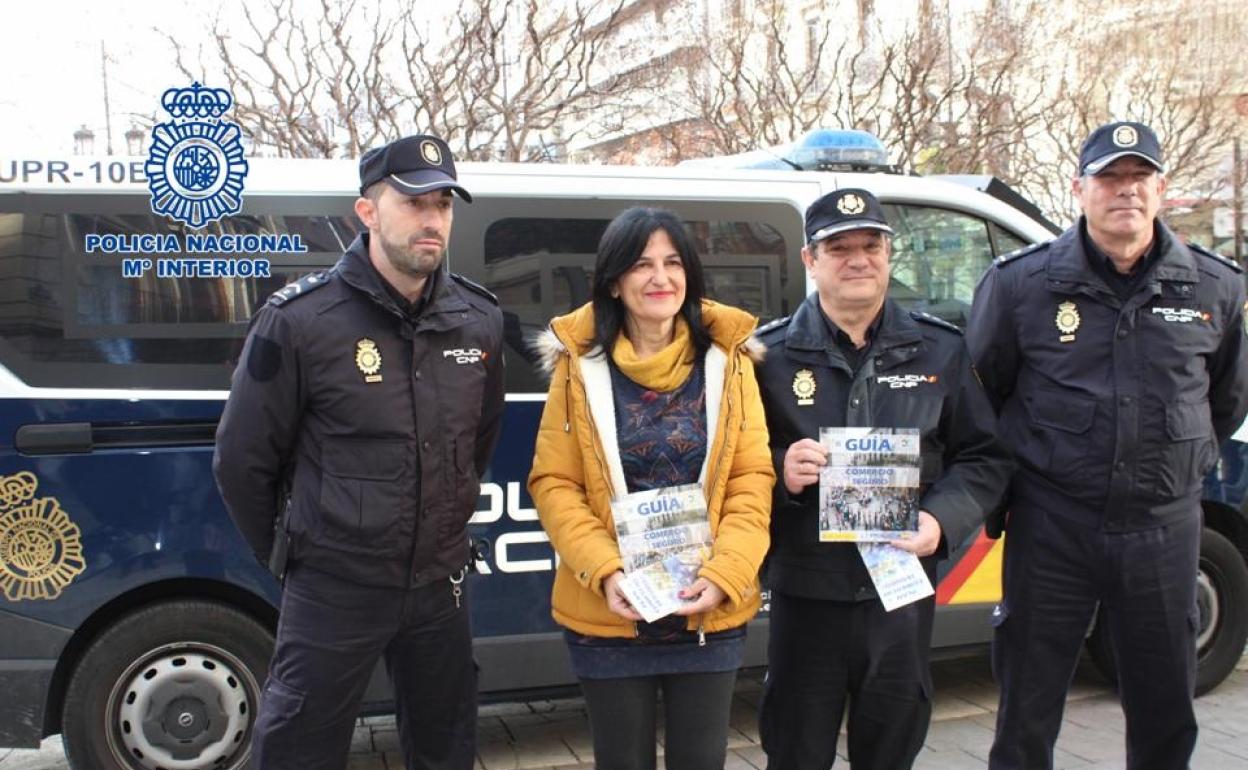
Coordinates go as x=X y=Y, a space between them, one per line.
x=622 y=714
x=329 y=637
x=825 y=656
x=1056 y=571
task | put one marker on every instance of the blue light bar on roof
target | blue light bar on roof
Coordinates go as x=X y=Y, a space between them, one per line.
x=821 y=148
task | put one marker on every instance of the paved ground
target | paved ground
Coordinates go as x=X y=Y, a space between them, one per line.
x=550 y=734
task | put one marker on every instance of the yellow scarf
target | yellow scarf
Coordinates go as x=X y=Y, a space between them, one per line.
x=664 y=371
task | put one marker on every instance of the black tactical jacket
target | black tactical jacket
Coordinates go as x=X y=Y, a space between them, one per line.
x=917 y=374
x=378 y=424
x=1113 y=408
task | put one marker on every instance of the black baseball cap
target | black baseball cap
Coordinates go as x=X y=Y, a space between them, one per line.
x=412 y=165
x=848 y=209
x=1115 y=140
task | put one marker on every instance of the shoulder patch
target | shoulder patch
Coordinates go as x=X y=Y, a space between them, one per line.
x=928 y=318
x=772 y=326
x=1006 y=259
x=475 y=287
x=1227 y=261
x=304 y=285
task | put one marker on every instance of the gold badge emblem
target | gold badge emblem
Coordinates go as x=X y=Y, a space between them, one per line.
x=1125 y=136
x=804 y=387
x=40 y=548
x=851 y=204
x=368 y=359
x=430 y=152
x=1067 y=321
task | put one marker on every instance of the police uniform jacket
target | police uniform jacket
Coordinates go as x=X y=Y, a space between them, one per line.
x=378 y=423
x=916 y=374
x=1114 y=407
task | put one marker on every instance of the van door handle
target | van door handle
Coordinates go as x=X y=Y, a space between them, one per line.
x=61 y=438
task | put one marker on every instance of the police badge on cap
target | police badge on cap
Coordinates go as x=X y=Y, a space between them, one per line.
x=412 y=165
x=843 y=210
x=1116 y=140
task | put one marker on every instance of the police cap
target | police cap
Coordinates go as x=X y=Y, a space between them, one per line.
x=412 y=165
x=843 y=210
x=1115 y=140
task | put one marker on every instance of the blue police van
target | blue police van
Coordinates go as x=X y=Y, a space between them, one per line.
x=135 y=621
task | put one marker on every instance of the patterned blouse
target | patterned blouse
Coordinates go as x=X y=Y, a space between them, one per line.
x=662 y=436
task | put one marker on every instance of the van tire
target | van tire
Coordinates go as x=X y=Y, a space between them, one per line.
x=1222 y=597
x=181 y=677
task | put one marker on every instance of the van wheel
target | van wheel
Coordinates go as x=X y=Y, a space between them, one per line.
x=173 y=685
x=1222 y=599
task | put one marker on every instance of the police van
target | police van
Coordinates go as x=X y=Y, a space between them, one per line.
x=135 y=620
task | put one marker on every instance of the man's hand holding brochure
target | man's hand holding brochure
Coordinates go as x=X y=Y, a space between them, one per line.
x=869 y=495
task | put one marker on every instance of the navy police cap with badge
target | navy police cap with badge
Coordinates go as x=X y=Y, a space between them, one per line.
x=1116 y=140
x=844 y=210
x=413 y=165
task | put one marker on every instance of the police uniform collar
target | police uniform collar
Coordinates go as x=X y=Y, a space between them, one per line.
x=1068 y=260
x=357 y=270
x=898 y=329
x=843 y=339
x=1175 y=262
x=1104 y=263
x=808 y=331
x=410 y=308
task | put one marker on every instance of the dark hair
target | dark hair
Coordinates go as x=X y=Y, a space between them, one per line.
x=622 y=243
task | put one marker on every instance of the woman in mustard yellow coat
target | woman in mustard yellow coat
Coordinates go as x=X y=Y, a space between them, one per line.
x=652 y=387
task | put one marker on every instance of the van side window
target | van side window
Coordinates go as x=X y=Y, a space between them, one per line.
x=1004 y=241
x=68 y=318
x=938 y=257
x=542 y=266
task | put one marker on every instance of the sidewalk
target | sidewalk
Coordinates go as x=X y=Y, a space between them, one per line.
x=554 y=734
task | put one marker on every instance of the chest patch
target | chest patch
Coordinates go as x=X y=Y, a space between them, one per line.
x=465 y=355
x=1181 y=315
x=897 y=381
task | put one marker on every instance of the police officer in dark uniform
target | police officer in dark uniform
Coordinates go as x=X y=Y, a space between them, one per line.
x=366 y=404
x=1115 y=355
x=851 y=357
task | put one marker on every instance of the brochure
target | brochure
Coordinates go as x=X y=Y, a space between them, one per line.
x=898 y=576
x=664 y=537
x=869 y=490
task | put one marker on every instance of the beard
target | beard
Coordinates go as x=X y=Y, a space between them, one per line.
x=410 y=261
